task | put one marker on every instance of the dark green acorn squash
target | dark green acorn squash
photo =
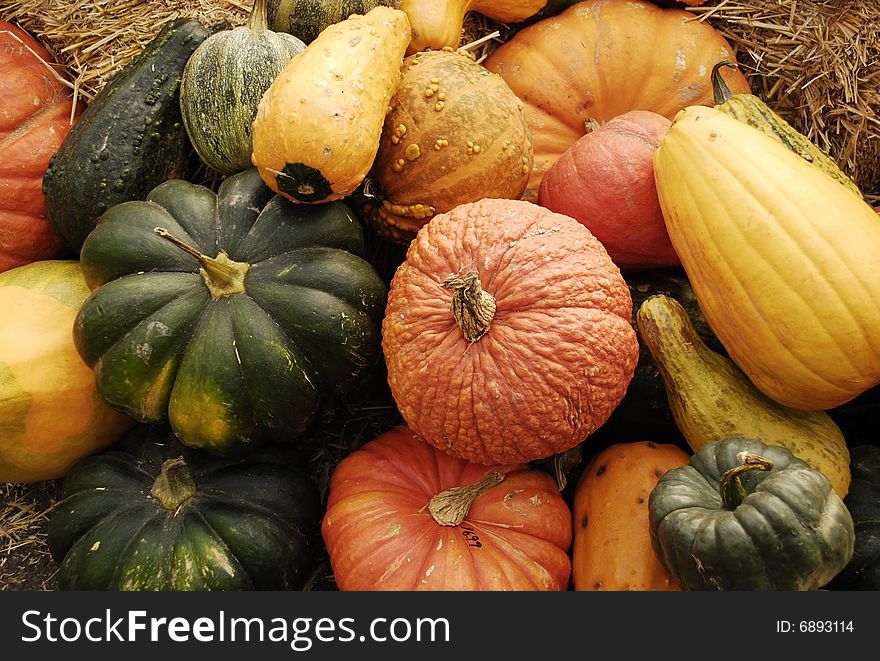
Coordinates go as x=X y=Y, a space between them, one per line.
x=234 y=315
x=152 y=514
x=744 y=515
x=307 y=18
x=130 y=138
x=222 y=85
x=863 y=502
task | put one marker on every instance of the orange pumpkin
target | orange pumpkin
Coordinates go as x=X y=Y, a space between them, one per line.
x=507 y=332
x=34 y=120
x=606 y=181
x=612 y=539
x=602 y=58
x=402 y=515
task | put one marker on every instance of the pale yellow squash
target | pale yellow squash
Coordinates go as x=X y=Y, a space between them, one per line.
x=784 y=261
x=51 y=414
x=317 y=127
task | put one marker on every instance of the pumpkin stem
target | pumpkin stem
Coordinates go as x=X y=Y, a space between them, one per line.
x=257 y=21
x=222 y=276
x=174 y=485
x=472 y=307
x=450 y=507
x=719 y=87
x=732 y=490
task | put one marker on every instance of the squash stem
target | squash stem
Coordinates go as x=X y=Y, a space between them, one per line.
x=222 y=276
x=472 y=308
x=719 y=87
x=732 y=490
x=174 y=484
x=450 y=507
x=257 y=19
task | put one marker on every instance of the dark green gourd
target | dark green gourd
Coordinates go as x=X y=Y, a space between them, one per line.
x=307 y=18
x=129 y=139
x=222 y=85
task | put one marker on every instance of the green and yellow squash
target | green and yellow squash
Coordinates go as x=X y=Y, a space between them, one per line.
x=233 y=315
x=781 y=257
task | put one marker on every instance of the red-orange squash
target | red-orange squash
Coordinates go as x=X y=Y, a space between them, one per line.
x=612 y=537
x=402 y=515
x=602 y=58
x=35 y=114
x=507 y=332
x=606 y=181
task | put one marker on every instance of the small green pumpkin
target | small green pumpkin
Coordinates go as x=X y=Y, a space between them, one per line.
x=222 y=84
x=744 y=515
x=152 y=514
x=306 y=19
x=863 y=502
x=233 y=315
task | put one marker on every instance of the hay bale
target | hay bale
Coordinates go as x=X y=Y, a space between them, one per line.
x=816 y=63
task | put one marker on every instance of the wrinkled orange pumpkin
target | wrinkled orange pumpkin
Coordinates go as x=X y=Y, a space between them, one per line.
x=606 y=181
x=34 y=120
x=602 y=58
x=507 y=333
x=402 y=515
x=612 y=538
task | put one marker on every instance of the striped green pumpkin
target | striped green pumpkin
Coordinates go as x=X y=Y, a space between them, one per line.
x=307 y=18
x=222 y=85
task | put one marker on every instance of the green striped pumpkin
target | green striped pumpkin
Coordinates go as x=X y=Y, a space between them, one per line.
x=307 y=18
x=222 y=84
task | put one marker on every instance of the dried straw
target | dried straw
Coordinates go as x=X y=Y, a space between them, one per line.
x=25 y=562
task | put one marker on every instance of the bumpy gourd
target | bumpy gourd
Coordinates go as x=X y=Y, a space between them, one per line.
x=318 y=125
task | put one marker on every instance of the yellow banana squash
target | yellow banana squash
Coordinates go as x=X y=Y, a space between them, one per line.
x=784 y=261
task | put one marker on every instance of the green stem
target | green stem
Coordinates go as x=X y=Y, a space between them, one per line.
x=719 y=87
x=450 y=507
x=732 y=490
x=222 y=276
x=174 y=485
x=472 y=308
x=257 y=20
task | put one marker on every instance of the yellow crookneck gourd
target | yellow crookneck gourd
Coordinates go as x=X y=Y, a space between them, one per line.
x=751 y=110
x=317 y=127
x=783 y=260
x=711 y=399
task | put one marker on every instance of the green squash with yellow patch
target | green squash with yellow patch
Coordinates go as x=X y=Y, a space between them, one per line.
x=152 y=514
x=51 y=414
x=235 y=316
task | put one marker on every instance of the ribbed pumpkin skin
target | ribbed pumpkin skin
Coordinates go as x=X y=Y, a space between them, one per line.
x=306 y=19
x=791 y=531
x=605 y=180
x=51 y=414
x=380 y=535
x=245 y=367
x=559 y=352
x=781 y=258
x=318 y=125
x=29 y=134
x=612 y=538
x=250 y=525
x=438 y=23
x=602 y=58
x=465 y=141
x=221 y=87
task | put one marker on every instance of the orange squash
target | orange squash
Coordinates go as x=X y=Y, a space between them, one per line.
x=602 y=58
x=612 y=538
x=35 y=114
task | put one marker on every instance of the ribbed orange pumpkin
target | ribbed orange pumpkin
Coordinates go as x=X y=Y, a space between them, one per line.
x=606 y=181
x=34 y=120
x=387 y=500
x=507 y=332
x=612 y=536
x=602 y=58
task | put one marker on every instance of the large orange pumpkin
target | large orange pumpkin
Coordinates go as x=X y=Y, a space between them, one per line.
x=612 y=537
x=34 y=120
x=402 y=515
x=602 y=58
x=507 y=332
